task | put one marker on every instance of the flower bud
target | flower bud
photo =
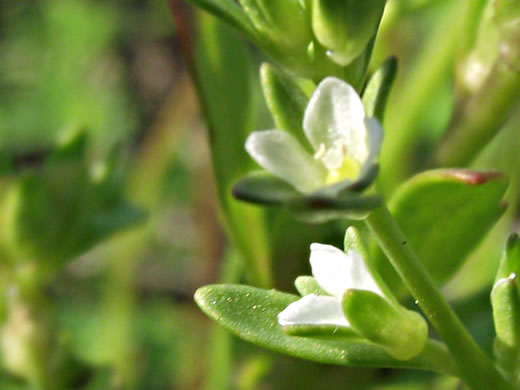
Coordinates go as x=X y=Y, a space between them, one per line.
x=286 y=22
x=505 y=299
x=403 y=333
x=345 y=27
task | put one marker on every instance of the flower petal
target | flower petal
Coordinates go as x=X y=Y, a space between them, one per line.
x=314 y=310
x=334 y=117
x=374 y=141
x=336 y=271
x=282 y=155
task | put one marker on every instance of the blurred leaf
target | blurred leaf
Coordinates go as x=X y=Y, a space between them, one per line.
x=444 y=214
x=224 y=74
x=251 y=314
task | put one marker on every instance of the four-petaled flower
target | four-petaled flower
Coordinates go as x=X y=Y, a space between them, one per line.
x=346 y=142
x=336 y=272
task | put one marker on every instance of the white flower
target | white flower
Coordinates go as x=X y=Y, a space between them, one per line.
x=346 y=142
x=335 y=271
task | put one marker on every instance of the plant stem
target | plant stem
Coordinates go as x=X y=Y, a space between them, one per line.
x=474 y=366
x=482 y=118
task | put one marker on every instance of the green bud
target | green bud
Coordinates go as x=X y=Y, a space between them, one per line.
x=403 y=333
x=345 y=27
x=505 y=299
x=510 y=261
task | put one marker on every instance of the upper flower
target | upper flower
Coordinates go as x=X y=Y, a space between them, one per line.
x=345 y=141
x=336 y=272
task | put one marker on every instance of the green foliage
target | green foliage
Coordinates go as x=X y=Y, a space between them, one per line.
x=57 y=211
x=444 y=214
x=251 y=313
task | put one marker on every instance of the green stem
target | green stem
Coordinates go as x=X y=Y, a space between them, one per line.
x=474 y=366
x=484 y=115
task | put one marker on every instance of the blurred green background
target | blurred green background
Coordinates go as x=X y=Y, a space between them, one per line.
x=115 y=68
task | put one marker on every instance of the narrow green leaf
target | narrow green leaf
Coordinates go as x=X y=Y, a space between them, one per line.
x=265 y=189
x=323 y=205
x=378 y=88
x=285 y=99
x=444 y=214
x=251 y=314
x=317 y=208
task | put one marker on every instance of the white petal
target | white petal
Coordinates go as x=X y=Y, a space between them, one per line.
x=335 y=115
x=282 y=155
x=314 y=310
x=336 y=271
x=374 y=141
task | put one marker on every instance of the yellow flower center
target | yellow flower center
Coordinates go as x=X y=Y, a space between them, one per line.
x=349 y=169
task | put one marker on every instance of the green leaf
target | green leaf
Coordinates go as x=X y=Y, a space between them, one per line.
x=378 y=88
x=285 y=99
x=251 y=314
x=323 y=205
x=402 y=332
x=230 y=12
x=264 y=189
x=444 y=214
x=224 y=75
x=316 y=208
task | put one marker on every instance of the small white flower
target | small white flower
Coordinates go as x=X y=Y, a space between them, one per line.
x=346 y=142
x=336 y=272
